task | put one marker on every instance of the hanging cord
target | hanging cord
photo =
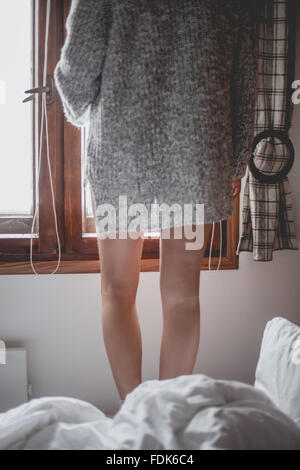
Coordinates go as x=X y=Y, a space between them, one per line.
x=211 y=243
x=44 y=111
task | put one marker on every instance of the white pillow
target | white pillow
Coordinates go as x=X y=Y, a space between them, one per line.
x=278 y=368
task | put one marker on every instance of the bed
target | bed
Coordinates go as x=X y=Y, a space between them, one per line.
x=194 y=412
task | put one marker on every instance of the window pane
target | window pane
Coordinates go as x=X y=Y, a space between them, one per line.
x=16 y=118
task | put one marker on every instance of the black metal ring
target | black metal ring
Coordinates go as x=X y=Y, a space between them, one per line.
x=283 y=136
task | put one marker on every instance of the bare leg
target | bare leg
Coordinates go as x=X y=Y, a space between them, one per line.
x=120 y=268
x=179 y=286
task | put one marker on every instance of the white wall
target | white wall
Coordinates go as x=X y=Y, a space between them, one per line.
x=58 y=318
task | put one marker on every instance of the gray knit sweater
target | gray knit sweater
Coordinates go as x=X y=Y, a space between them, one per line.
x=168 y=88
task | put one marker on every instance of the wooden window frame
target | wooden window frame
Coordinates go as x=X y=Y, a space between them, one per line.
x=78 y=254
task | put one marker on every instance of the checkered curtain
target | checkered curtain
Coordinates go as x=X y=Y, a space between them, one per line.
x=267 y=213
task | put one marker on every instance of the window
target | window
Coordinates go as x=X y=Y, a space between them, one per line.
x=17 y=170
x=20 y=188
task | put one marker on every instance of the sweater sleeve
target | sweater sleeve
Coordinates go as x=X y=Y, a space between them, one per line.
x=243 y=91
x=77 y=75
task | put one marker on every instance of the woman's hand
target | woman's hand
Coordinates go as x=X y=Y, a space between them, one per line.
x=236 y=187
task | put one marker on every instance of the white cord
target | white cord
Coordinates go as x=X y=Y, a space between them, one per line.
x=44 y=110
x=220 y=250
x=211 y=243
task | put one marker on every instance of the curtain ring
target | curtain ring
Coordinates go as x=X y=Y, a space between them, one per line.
x=284 y=138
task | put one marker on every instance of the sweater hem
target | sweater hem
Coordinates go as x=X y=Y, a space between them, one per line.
x=117 y=218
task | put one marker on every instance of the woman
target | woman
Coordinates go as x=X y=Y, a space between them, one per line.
x=168 y=89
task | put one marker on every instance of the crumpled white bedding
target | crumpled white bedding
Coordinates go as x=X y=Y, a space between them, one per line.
x=187 y=412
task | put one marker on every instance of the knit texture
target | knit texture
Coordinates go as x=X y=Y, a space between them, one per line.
x=168 y=91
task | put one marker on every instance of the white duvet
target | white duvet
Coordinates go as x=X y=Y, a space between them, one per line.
x=187 y=412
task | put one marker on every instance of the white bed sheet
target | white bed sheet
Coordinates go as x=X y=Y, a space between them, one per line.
x=187 y=412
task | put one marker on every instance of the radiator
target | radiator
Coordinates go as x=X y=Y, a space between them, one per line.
x=13 y=378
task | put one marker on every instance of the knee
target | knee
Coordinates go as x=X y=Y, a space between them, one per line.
x=180 y=304
x=118 y=291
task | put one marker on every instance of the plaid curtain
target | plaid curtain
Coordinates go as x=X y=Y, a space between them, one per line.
x=267 y=214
